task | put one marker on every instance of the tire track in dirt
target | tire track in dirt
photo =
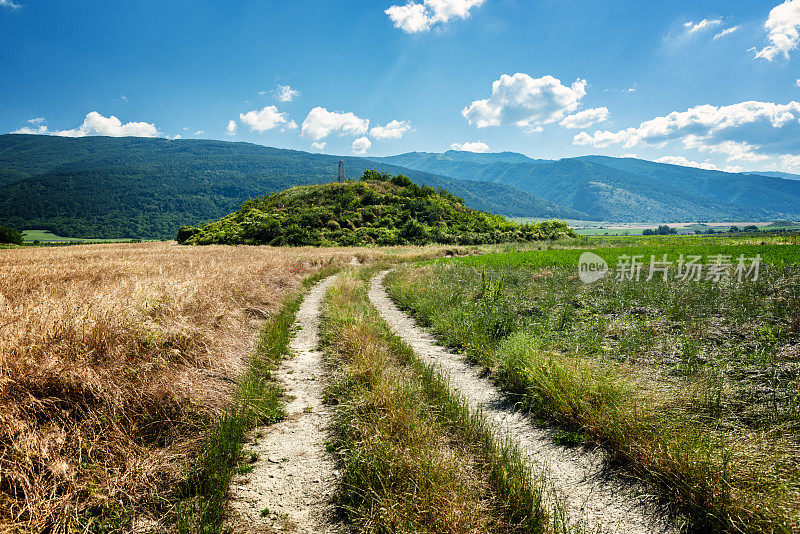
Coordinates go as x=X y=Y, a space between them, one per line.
x=599 y=501
x=291 y=483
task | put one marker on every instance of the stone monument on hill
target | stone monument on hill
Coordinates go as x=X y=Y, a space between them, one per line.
x=341 y=171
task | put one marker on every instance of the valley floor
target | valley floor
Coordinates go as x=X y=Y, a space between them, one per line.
x=201 y=389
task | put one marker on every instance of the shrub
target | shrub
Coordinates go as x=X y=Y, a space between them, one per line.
x=10 y=235
x=187 y=232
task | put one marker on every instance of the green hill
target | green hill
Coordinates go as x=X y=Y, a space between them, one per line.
x=624 y=189
x=379 y=209
x=104 y=187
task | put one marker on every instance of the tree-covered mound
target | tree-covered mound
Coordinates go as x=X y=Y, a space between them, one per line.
x=378 y=209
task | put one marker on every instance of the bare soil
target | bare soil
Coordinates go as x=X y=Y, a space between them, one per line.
x=293 y=478
x=591 y=495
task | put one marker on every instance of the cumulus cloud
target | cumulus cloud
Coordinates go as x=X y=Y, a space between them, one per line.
x=417 y=18
x=320 y=123
x=704 y=24
x=285 y=93
x=584 y=119
x=266 y=119
x=199 y=132
x=361 y=145
x=38 y=127
x=316 y=145
x=791 y=163
x=476 y=146
x=411 y=18
x=231 y=128
x=97 y=124
x=726 y=31
x=525 y=101
x=94 y=124
x=782 y=28
x=9 y=4
x=393 y=130
x=747 y=131
x=683 y=162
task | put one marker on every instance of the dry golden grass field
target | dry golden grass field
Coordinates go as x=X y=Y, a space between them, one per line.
x=113 y=360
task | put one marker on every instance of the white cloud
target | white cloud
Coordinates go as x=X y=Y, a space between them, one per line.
x=798 y=83
x=97 y=124
x=231 y=128
x=411 y=18
x=9 y=4
x=94 y=124
x=285 y=93
x=525 y=101
x=782 y=26
x=726 y=31
x=39 y=127
x=266 y=119
x=630 y=155
x=746 y=131
x=199 y=132
x=361 y=145
x=704 y=24
x=393 y=130
x=791 y=163
x=39 y=130
x=316 y=145
x=417 y=18
x=584 y=119
x=320 y=123
x=477 y=146
x=174 y=137
x=683 y=162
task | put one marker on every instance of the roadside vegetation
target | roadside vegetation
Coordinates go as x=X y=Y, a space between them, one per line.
x=693 y=387
x=379 y=209
x=256 y=402
x=414 y=457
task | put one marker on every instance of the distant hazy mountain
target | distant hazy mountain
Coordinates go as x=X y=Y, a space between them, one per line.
x=136 y=187
x=776 y=174
x=624 y=189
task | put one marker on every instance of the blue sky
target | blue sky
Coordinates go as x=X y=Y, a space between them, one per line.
x=712 y=83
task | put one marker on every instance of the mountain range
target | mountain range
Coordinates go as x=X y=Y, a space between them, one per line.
x=106 y=187
x=110 y=187
x=624 y=189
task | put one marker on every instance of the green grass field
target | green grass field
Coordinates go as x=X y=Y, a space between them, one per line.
x=43 y=236
x=770 y=254
x=693 y=386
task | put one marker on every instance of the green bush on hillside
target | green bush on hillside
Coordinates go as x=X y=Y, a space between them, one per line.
x=9 y=235
x=379 y=209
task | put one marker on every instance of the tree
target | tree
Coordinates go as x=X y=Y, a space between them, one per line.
x=186 y=232
x=10 y=235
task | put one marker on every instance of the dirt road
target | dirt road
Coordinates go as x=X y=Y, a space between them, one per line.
x=291 y=483
x=577 y=476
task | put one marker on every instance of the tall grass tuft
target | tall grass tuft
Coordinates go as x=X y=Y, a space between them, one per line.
x=691 y=387
x=415 y=457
